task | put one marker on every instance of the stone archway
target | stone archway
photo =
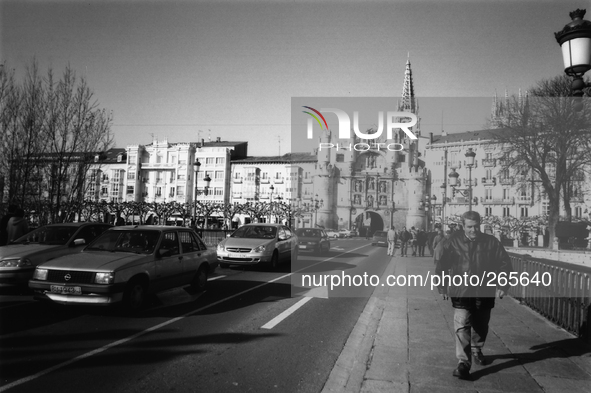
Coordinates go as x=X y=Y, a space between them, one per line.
x=368 y=222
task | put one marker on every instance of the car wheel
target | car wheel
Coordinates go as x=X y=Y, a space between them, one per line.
x=200 y=280
x=275 y=260
x=134 y=296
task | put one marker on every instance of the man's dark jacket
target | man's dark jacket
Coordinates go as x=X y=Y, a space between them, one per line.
x=484 y=257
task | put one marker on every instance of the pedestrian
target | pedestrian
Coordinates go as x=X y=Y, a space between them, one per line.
x=17 y=226
x=404 y=237
x=438 y=238
x=413 y=241
x=119 y=221
x=4 y=224
x=392 y=235
x=473 y=253
x=421 y=242
x=431 y=237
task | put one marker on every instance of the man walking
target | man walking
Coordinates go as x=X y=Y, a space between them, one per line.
x=404 y=238
x=392 y=241
x=474 y=253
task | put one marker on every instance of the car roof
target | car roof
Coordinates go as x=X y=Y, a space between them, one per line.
x=149 y=227
x=76 y=224
x=262 y=224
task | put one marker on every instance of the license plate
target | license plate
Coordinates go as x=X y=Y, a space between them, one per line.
x=65 y=290
x=302 y=246
x=235 y=255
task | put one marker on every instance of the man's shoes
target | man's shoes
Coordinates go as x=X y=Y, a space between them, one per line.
x=462 y=371
x=479 y=358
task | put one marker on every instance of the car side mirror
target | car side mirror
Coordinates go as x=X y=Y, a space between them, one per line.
x=78 y=242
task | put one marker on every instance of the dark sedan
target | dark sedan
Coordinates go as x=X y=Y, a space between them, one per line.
x=313 y=239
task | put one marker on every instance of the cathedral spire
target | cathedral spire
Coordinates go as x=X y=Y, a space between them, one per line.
x=408 y=103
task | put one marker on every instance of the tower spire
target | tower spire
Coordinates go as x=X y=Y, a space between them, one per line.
x=408 y=103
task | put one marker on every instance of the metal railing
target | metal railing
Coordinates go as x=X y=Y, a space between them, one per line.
x=566 y=301
x=211 y=237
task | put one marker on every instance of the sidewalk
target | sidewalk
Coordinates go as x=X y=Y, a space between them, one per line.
x=404 y=342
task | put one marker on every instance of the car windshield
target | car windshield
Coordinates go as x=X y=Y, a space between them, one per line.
x=308 y=232
x=137 y=241
x=52 y=235
x=380 y=234
x=255 y=232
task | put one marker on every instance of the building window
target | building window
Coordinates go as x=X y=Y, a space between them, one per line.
x=131 y=159
x=218 y=191
x=209 y=160
x=265 y=176
x=506 y=212
x=578 y=212
x=158 y=191
x=340 y=157
x=524 y=211
x=130 y=189
x=219 y=174
x=488 y=211
x=131 y=175
x=220 y=160
x=488 y=194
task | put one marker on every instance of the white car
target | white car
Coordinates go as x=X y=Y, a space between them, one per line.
x=345 y=233
x=252 y=244
x=333 y=233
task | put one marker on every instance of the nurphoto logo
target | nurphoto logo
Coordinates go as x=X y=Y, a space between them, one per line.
x=393 y=123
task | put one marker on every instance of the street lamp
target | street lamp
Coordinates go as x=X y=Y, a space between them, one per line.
x=207 y=179
x=433 y=201
x=453 y=177
x=575 y=41
x=318 y=203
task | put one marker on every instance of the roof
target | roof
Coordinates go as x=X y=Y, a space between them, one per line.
x=480 y=135
x=286 y=158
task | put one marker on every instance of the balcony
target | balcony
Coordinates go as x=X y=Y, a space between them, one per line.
x=489 y=182
x=459 y=201
x=497 y=201
x=524 y=199
x=158 y=165
x=488 y=163
x=506 y=181
x=237 y=180
x=265 y=181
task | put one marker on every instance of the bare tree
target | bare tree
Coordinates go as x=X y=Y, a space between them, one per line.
x=546 y=141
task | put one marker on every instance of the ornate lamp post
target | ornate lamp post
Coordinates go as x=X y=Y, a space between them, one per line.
x=575 y=41
x=207 y=179
x=453 y=177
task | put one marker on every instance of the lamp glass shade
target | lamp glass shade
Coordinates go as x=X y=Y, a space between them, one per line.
x=453 y=178
x=576 y=55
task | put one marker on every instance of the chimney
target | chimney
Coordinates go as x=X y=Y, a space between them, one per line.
x=202 y=142
x=443 y=133
x=431 y=138
x=218 y=139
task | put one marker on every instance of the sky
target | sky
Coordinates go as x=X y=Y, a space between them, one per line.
x=191 y=70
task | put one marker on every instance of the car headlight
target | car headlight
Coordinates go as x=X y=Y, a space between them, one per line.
x=40 y=274
x=221 y=247
x=259 y=248
x=15 y=262
x=104 y=278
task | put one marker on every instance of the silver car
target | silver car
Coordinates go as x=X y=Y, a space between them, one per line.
x=125 y=264
x=19 y=258
x=252 y=244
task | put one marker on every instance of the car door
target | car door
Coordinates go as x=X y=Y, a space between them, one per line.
x=168 y=262
x=284 y=243
x=194 y=254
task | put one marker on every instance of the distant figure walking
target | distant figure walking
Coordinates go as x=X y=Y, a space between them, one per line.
x=392 y=235
x=4 y=224
x=17 y=225
x=404 y=237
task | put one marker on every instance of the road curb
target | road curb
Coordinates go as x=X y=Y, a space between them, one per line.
x=349 y=370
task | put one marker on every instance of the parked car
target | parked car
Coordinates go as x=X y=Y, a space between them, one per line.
x=125 y=264
x=19 y=258
x=345 y=233
x=313 y=239
x=333 y=233
x=252 y=244
x=380 y=238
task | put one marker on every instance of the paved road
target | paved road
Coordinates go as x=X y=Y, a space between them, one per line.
x=246 y=333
